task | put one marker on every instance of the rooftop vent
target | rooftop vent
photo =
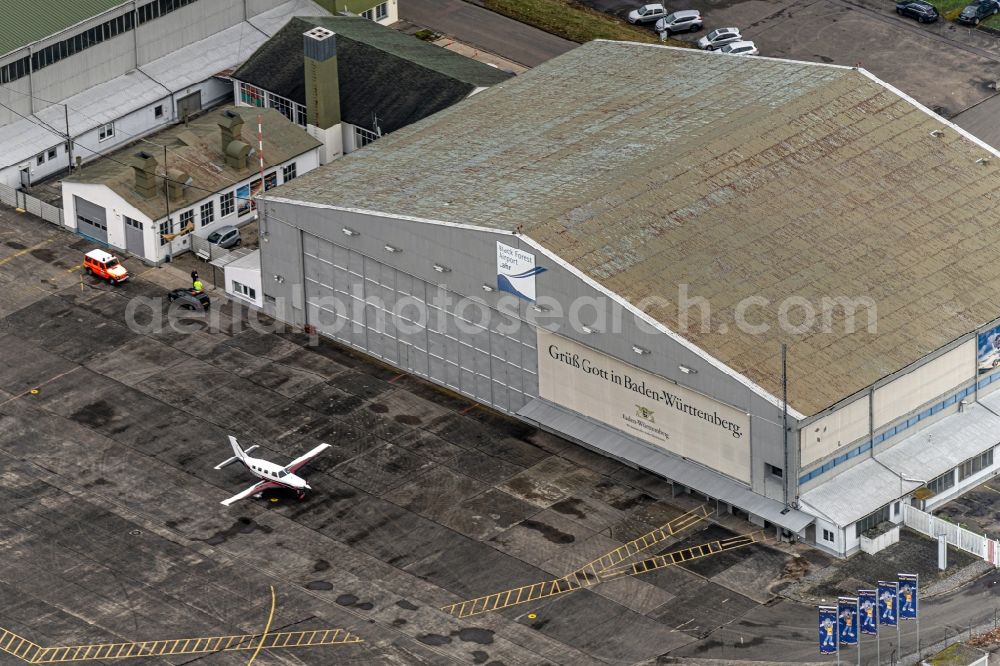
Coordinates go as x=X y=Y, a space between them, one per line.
x=177 y=183
x=144 y=166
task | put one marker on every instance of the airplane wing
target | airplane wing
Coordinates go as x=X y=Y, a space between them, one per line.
x=300 y=462
x=252 y=490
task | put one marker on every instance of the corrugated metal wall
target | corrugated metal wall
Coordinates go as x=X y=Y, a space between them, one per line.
x=414 y=325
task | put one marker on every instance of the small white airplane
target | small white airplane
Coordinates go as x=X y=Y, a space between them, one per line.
x=270 y=475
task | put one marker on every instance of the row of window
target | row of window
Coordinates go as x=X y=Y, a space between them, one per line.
x=254 y=96
x=942 y=483
x=71 y=46
x=892 y=432
x=975 y=464
x=244 y=290
x=40 y=159
x=377 y=13
x=227 y=205
x=871 y=520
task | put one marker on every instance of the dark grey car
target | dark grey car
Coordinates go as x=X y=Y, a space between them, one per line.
x=189 y=299
x=978 y=11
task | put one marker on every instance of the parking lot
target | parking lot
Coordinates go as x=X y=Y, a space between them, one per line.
x=113 y=531
x=944 y=66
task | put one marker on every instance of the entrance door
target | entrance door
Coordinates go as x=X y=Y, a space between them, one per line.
x=134 y=241
x=189 y=105
x=26 y=178
x=91 y=220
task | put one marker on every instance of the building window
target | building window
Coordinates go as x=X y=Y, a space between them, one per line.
x=285 y=106
x=187 y=218
x=288 y=172
x=207 y=212
x=363 y=137
x=251 y=95
x=52 y=153
x=828 y=536
x=942 y=483
x=40 y=160
x=158 y=111
x=106 y=132
x=159 y=8
x=164 y=231
x=773 y=470
x=975 y=464
x=377 y=13
x=227 y=204
x=244 y=290
x=871 y=520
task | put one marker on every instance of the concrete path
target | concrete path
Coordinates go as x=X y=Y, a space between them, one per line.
x=486 y=30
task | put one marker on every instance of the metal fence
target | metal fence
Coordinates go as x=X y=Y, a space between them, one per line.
x=17 y=199
x=959 y=537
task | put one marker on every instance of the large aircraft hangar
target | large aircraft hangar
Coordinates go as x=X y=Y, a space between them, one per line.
x=617 y=245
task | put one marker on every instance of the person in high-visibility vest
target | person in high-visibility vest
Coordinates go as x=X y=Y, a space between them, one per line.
x=197 y=284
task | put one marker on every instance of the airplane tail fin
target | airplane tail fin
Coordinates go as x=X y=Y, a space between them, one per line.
x=236 y=448
x=240 y=453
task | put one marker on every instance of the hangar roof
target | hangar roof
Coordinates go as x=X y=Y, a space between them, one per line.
x=648 y=168
x=27 y=21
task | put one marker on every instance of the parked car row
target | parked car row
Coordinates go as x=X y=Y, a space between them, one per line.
x=924 y=12
x=723 y=40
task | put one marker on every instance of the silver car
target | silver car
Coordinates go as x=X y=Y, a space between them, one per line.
x=719 y=38
x=225 y=236
x=686 y=20
x=739 y=48
x=647 y=13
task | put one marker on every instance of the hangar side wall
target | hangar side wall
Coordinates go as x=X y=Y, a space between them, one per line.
x=892 y=409
x=466 y=260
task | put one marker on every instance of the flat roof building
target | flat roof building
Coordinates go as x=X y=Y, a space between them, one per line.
x=154 y=197
x=722 y=207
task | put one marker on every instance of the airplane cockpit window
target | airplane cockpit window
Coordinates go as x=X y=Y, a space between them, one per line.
x=282 y=473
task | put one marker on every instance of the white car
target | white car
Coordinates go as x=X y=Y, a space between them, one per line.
x=685 y=20
x=739 y=48
x=719 y=38
x=647 y=13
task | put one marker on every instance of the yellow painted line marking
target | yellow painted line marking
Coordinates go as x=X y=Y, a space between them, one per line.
x=21 y=253
x=267 y=628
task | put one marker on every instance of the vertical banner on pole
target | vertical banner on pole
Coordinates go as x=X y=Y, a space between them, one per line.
x=827 y=629
x=908 y=596
x=847 y=612
x=868 y=608
x=887 y=597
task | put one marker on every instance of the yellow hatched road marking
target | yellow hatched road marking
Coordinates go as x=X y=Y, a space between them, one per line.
x=32 y=653
x=586 y=576
x=684 y=555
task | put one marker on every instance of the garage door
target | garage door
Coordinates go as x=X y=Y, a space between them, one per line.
x=419 y=327
x=91 y=220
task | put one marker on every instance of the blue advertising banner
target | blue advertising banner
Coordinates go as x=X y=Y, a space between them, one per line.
x=888 y=594
x=908 y=584
x=847 y=613
x=868 y=609
x=827 y=629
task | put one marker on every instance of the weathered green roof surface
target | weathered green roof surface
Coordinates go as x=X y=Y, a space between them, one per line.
x=197 y=149
x=25 y=21
x=649 y=168
x=381 y=72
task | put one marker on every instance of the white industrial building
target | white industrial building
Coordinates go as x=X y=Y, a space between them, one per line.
x=615 y=246
x=151 y=202
x=81 y=78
